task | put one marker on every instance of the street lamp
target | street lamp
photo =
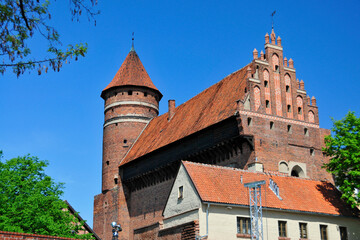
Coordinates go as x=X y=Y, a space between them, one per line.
x=116 y=228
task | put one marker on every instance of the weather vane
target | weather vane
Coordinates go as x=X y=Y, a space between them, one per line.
x=132 y=44
x=272 y=19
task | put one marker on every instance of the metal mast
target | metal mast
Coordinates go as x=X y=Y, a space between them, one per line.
x=255 y=209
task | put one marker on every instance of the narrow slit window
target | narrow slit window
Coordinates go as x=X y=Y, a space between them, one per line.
x=115 y=181
x=266 y=84
x=306 y=132
x=181 y=192
x=267 y=103
x=249 y=121
x=289 y=128
x=271 y=125
x=312 y=152
x=287 y=88
x=299 y=110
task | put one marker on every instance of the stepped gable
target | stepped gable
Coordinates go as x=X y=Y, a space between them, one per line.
x=223 y=185
x=211 y=106
x=131 y=73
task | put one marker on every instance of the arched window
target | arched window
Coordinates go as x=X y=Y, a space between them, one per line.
x=266 y=76
x=283 y=167
x=275 y=62
x=297 y=171
x=299 y=104
x=257 y=97
x=311 y=116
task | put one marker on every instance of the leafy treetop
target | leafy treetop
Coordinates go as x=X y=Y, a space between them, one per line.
x=21 y=19
x=344 y=149
x=30 y=200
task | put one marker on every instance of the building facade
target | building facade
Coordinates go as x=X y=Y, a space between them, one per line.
x=259 y=117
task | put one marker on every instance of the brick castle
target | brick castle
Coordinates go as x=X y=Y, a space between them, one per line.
x=258 y=118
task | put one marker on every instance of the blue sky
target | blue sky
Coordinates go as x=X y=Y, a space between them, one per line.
x=185 y=46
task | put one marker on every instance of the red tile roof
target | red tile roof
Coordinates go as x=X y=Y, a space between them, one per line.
x=131 y=73
x=223 y=185
x=211 y=106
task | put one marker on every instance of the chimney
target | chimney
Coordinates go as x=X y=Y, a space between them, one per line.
x=171 y=109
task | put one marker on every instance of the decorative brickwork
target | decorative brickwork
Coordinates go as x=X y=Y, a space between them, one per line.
x=17 y=236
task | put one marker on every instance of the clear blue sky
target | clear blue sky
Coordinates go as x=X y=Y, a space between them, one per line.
x=185 y=46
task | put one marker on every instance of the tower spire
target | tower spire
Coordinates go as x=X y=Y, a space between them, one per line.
x=132 y=43
x=272 y=20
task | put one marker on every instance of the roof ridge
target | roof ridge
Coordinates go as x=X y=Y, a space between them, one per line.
x=270 y=173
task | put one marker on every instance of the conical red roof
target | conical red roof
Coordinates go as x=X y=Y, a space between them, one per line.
x=132 y=73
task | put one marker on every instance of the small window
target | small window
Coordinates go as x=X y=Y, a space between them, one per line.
x=271 y=125
x=343 y=233
x=306 y=132
x=115 y=124
x=289 y=129
x=243 y=225
x=130 y=92
x=299 y=110
x=125 y=141
x=303 y=230
x=122 y=93
x=277 y=68
x=115 y=181
x=266 y=84
x=181 y=192
x=282 y=229
x=267 y=103
x=249 y=121
x=245 y=90
x=289 y=108
x=312 y=152
x=323 y=232
x=107 y=163
x=145 y=94
x=287 y=88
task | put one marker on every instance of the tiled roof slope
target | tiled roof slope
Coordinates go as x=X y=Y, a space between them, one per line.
x=211 y=106
x=131 y=72
x=223 y=185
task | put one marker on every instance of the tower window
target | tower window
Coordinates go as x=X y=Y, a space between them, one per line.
x=266 y=84
x=271 y=125
x=289 y=108
x=145 y=94
x=277 y=68
x=299 y=110
x=115 y=181
x=306 y=132
x=130 y=92
x=245 y=90
x=125 y=141
x=312 y=152
x=249 y=121
x=289 y=128
x=107 y=163
x=267 y=103
x=287 y=88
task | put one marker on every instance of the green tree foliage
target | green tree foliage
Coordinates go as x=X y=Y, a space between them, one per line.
x=344 y=151
x=30 y=200
x=20 y=20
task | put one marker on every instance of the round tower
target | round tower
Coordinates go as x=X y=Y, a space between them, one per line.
x=131 y=101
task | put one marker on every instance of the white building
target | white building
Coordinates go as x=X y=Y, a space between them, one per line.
x=215 y=197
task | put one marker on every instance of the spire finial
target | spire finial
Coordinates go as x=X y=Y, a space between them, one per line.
x=272 y=19
x=132 y=43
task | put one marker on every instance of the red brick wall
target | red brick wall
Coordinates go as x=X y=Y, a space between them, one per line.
x=17 y=236
x=186 y=231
